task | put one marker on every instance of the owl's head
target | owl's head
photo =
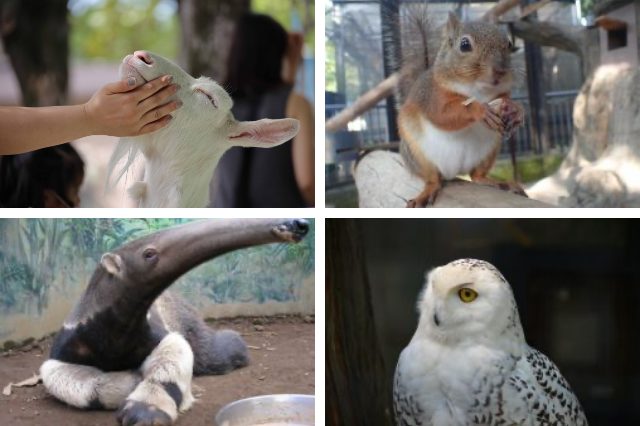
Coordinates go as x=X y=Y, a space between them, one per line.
x=469 y=300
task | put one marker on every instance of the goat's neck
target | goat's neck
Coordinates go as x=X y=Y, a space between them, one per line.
x=179 y=176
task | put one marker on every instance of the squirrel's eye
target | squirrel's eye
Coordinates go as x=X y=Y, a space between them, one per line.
x=465 y=44
x=467 y=295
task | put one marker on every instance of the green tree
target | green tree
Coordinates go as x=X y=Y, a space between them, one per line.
x=294 y=15
x=107 y=29
x=35 y=37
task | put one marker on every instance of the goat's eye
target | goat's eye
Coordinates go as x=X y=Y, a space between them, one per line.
x=211 y=99
x=465 y=44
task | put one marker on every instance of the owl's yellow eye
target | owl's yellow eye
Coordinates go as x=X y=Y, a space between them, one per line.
x=467 y=295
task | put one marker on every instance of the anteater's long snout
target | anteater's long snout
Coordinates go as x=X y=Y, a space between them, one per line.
x=293 y=230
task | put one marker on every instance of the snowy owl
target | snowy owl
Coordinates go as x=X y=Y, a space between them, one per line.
x=468 y=362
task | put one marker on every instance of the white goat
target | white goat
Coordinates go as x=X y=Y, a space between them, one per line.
x=182 y=156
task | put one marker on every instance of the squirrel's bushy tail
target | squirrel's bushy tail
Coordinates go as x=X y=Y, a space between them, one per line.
x=416 y=41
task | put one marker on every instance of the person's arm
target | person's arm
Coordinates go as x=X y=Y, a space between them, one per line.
x=117 y=109
x=303 y=151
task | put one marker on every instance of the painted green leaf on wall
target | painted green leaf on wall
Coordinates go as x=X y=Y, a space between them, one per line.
x=40 y=257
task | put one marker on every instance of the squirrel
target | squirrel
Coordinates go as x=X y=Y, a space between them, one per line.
x=458 y=110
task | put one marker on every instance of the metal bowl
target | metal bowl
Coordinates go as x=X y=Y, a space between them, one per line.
x=269 y=410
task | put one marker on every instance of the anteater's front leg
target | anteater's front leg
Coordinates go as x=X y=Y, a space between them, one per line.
x=87 y=387
x=166 y=385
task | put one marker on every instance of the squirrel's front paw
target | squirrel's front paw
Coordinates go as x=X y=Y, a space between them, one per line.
x=492 y=119
x=511 y=114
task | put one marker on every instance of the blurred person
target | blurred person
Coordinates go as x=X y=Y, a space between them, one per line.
x=261 y=70
x=48 y=177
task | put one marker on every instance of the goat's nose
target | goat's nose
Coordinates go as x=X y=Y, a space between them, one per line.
x=143 y=56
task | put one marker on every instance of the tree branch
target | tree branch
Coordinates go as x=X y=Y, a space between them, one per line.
x=362 y=104
x=562 y=37
x=502 y=7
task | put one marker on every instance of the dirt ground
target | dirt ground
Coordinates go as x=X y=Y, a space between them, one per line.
x=282 y=361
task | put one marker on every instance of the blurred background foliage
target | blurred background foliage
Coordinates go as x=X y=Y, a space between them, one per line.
x=103 y=29
x=587 y=6
x=38 y=256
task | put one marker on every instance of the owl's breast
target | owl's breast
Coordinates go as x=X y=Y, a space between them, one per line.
x=450 y=384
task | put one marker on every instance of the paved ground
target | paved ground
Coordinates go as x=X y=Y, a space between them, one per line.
x=282 y=361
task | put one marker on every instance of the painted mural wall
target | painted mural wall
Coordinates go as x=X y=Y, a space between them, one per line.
x=45 y=265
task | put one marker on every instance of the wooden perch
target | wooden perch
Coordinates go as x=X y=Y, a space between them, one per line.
x=502 y=7
x=383 y=181
x=362 y=104
x=566 y=38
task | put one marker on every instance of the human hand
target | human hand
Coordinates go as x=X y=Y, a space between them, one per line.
x=122 y=109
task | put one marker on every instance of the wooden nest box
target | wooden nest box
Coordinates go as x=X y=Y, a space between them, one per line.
x=617 y=22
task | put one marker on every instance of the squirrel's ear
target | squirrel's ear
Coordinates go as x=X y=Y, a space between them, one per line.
x=453 y=24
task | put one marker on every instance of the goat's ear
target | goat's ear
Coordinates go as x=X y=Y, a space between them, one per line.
x=263 y=133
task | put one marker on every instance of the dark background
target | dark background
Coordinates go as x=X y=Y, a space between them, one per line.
x=576 y=282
